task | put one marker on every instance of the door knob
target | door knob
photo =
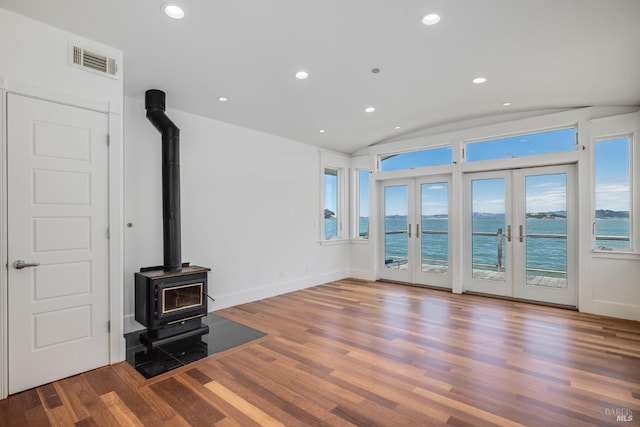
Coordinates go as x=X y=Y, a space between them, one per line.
x=20 y=264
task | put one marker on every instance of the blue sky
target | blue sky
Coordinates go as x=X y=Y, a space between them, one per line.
x=544 y=193
x=612 y=174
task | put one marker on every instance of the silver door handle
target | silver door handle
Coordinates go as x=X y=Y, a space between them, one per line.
x=521 y=238
x=508 y=233
x=20 y=264
x=409 y=230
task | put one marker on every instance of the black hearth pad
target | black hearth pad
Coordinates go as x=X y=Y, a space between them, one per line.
x=223 y=335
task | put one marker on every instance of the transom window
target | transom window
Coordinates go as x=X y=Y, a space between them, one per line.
x=416 y=159
x=554 y=141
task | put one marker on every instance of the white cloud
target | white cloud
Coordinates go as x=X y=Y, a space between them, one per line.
x=614 y=197
x=553 y=199
x=489 y=205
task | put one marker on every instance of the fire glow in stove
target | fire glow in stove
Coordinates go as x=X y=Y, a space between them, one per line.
x=170 y=299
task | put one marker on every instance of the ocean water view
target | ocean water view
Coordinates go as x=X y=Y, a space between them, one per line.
x=546 y=253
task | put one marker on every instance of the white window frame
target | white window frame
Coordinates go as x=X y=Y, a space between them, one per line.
x=606 y=129
x=339 y=163
x=468 y=143
x=382 y=157
x=358 y=164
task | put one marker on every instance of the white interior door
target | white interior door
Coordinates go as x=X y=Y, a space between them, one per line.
x=415 y=230
x=57 y=225
x=520 y=234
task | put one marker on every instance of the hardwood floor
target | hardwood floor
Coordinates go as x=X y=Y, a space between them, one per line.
x=363 y=353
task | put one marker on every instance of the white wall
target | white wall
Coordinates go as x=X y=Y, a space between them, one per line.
x=611 y=281
x=250 y=208
x=36 y=55
x=616 y=287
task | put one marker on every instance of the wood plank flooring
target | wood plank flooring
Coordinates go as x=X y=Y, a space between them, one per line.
x=373 y=354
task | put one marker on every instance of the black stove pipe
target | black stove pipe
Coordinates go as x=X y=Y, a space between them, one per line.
x=155 y=106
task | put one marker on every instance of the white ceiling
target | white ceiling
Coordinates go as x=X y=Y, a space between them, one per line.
x=535 y=53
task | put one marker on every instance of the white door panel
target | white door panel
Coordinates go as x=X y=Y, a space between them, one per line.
x=57 y=217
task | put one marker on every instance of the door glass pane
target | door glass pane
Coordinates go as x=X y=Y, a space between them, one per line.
x=488 y=229
x=546 y=230
x=396 y=252
x=434 y=228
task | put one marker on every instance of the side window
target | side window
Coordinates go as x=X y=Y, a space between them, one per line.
x=612 y=194
x=362 y=208
x=332 y=217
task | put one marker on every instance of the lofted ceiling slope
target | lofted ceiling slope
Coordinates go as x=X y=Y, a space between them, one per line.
x=534 y=54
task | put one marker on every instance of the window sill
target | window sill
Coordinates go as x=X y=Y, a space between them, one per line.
x=628 y=255
x=334 y=242
x=360 y=241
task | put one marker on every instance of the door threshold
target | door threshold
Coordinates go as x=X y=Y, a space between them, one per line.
x=432 y=287
x=480 y=294
x=526 y=301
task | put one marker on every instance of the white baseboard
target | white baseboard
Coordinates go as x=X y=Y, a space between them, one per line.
x=362 y=274
x=255 y=294
x=616 y=309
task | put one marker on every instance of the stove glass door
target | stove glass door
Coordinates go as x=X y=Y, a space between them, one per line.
x=181 y=297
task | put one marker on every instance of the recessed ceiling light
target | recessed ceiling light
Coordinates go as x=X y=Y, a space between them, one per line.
x=369 y=109
x=321 y=131
x=506 y=104
x=479 y=80
x=431 y=19
x=396 y=127
x=301 y=75
x=223 y=99
x=173 y=11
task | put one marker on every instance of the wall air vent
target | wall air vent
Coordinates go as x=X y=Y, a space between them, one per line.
x=91 y=61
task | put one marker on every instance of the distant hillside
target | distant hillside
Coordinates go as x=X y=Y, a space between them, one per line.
x=600 y=213
x=486 y=215
x=607 y=214
x=547 y=215
x=438 y=216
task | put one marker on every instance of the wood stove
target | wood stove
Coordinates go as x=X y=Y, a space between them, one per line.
x=170 y=299
x=171 y=304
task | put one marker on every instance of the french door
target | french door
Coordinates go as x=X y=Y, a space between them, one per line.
x=416 y=230
x=520 y=234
